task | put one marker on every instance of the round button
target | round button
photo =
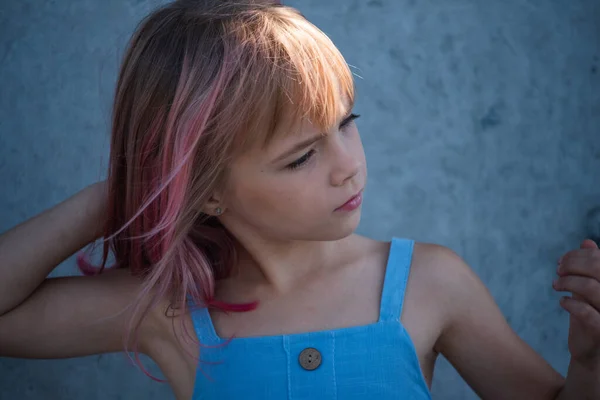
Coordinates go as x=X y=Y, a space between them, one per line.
x=310 y=359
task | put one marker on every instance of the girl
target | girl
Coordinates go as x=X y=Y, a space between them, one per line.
x=234 y=189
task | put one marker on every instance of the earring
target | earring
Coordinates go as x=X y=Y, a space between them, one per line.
x=218 y=211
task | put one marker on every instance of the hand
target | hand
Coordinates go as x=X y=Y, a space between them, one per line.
x=579 y=273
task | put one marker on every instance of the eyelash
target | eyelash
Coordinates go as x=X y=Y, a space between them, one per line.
x=306 y=157
x=302 y=160
x=348 y=120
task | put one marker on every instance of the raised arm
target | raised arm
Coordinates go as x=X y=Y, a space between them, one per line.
x=32 y=249
x=67 y=316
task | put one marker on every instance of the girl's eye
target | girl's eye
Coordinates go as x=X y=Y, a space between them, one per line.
x=348 y=120
x=301 y=161
x=306 y=157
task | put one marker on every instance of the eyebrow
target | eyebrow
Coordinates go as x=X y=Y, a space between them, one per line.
x=307 y=142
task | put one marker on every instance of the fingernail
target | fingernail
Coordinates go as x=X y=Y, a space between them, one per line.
x=556 y=284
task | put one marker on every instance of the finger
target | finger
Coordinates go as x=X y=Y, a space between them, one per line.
x=585 y=313
x=584 y=262
x=586 y=244
x=589 y=244
x=583 y=288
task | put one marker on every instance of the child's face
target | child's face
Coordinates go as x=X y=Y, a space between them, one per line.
x=290 y=191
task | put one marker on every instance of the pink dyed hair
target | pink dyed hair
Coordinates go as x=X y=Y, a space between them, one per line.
x=201 y=82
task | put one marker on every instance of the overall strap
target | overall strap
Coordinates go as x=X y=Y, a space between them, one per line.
x=396 y=277
x=203 y=325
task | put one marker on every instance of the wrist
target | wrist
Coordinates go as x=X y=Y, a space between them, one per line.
x=589 y=365
x=583 y=380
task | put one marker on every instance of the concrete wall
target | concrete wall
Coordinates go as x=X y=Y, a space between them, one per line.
x=480 y=121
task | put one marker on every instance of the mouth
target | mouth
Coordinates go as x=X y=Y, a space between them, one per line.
x=352 y=204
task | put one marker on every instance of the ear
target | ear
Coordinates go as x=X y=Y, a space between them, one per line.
x=214 y=206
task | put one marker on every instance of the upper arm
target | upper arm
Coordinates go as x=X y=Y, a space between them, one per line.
x=480 y=344
x=73 y=316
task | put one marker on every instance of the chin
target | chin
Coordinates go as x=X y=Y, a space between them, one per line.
x=337 y=229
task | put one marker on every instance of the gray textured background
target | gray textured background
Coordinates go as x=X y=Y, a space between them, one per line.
x=480 y=121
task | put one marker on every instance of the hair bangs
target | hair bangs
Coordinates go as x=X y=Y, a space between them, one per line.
x=288 y=71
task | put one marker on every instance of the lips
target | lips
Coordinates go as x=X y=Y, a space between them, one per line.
x=352 y=204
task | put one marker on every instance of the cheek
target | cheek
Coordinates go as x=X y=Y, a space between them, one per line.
x=358 y=150
x=281 y=196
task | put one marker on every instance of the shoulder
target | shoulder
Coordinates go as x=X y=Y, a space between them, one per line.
x=458 y=289
x=442 y=284
x=442 y=268
x=434 y=269
x=145 y=306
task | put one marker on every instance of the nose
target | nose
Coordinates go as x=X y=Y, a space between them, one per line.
x=346 y=162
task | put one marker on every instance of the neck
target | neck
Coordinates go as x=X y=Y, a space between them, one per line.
x=283 y=265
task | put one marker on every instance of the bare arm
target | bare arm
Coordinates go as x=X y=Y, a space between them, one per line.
x=481 y=345
x=71 y=317
x=67 y=316
x=31 y=250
